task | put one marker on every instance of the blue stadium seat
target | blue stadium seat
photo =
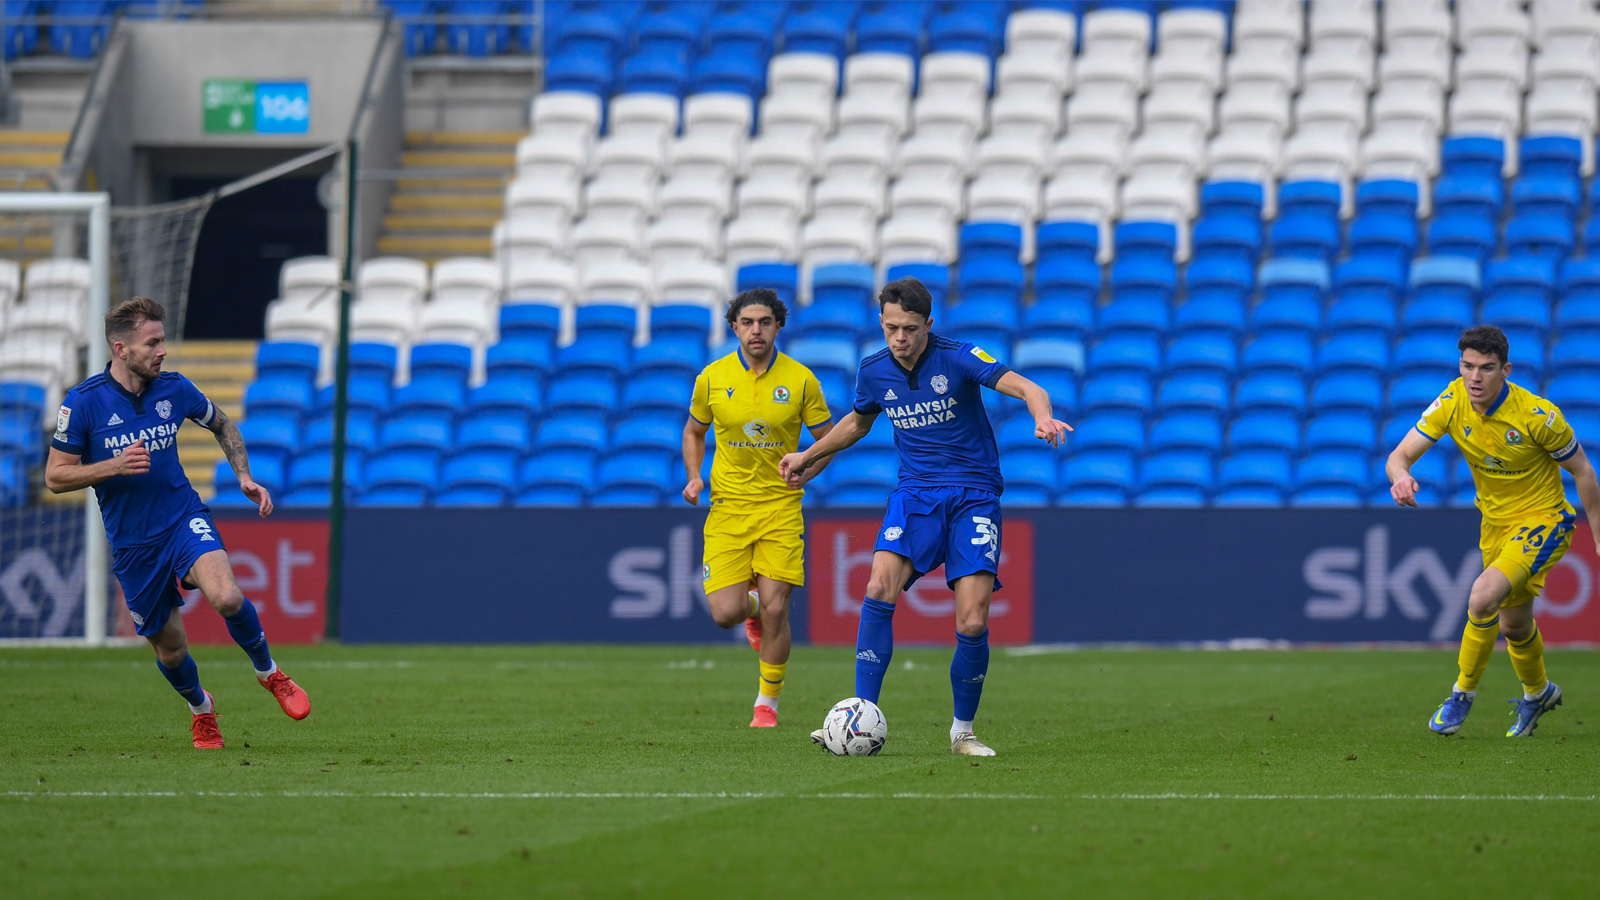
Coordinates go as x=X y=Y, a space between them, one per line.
x=478 y=27
x=1579 y=311
x=1030 y=477
x=400 y=478
x=1550 y=156
x=730 y=72
x=742 y=33
x=416 y=17
x=269 y=471
x=1354 y=351
x=1154 y=242
x=556 y=478
x=506 y=394
x=1232 y=198
x=1321 y=198
x=1067 y=277
x=654 y=432
x=1126 y=353
x=1540 y=235
x=494 y=431
x=1291 y=296
x=1481 y=156
x=578 y=71
x=667 y=28
x=1127 y=391
x=576 y=432
x=313 y=471
x=20 y=435
x=934 y=276
x=587 y=33
x=1341 y=431
x=450 y=362
x=984 y=319
x=1336 y=478
x=990 y=278
x=1388 y=197
x=1432 y=471
x=657 y=392
x=422 y=431
x=654 y=72
x=1114 y=430
x=532 y=321
x=678 y=356
x=1410 y=393
x=288 y=359
x=1347 y=392
x=1384 y=236
x=429 y=395
x=1227 y=237
x=605 y=321
x=1272 y=430
x=891 y=28
x=1195 y=391
x=839 y=390
x=1144 y=279
x=843 y=282
x=1203 y=352
x=1433 y=354
x=289 y=396
x=1272 y=389
x=360 y=432
x=868 y=469
x=1443 y=291
x=1101 y=478
x=825 y=354
x=22 y=397
x=1187 y=431
x=968 y=28
x=1469 y=196
x=1591 y=231
x=1534 y=276
x=1067 y=240
x=819 y=29
x=582 y=392
x=783 y=278
x=1175 y=478
x=1013 y=434
x=1457 y=234
x=1219 y=312
x=1519 y=310
x=1555 y=196
x=1135 y=314
x=1577 y=354
x=1365 y=300
x=1214 y=273
x=1036 y=354
x=683 y=320
x=633 y=478
x=374 y=360
x=1060 y=384
x=1282 y=353
x=269 y=433
x=1305 y=235
x=78 y=29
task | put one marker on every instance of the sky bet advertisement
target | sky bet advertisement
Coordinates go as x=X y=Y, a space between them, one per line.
x=1307 y=576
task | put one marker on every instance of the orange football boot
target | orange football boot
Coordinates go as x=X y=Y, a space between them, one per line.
x=295 y=703
x=206 y=734
x=766 y=717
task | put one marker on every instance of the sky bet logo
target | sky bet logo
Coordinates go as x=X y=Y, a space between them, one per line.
x=158 y=438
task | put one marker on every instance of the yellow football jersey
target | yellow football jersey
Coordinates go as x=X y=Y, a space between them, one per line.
x=1513 y=448
x=756 y=419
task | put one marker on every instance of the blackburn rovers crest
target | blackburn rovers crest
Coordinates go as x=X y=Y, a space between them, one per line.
x=780 y=394
x=1513 y=436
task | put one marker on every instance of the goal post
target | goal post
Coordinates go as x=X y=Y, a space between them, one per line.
x=96 y=208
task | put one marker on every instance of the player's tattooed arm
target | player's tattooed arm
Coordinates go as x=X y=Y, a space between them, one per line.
x=232 y=444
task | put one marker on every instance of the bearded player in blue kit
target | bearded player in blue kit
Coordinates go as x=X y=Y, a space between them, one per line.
x=946 y=507
x=117 y=432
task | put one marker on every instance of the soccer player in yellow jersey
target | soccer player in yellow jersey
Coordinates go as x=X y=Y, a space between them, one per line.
x=757 y=399
x=1513 y=440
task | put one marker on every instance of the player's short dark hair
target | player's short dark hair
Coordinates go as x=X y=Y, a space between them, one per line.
x=1486 y=339
x=758 y=297
x=130 y=314
x=909 y=294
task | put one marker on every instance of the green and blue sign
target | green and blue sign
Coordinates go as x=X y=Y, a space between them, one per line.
x=242 y=106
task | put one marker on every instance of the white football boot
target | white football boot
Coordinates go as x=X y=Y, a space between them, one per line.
x=816 y=736
x=966 y=744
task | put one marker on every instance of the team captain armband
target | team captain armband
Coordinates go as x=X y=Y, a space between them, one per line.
x=1565 y=453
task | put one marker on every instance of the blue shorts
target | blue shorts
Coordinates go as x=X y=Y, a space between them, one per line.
x=149 y=574
x=954 y=526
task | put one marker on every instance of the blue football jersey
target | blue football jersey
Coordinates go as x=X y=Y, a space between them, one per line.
x=940 y=427
x=99 y=418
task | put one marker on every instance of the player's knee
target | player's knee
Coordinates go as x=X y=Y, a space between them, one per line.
x=881 y=588
x=229 y=600
x=171 y=654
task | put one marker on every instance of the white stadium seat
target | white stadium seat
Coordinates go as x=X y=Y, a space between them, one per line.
x=308 y=277
x=516 y=239
x=1024 y=115
x=681 y=239
x=1021 y=157
x=382 y=321
x=1417 y=110
x=51 y=365
x=1191 y=32
x=1344 y=26
x=885 y=74
x=307 y=319
x=467 y=279
x=760 y=238
x=955 y=74
x=643 y=115
x=828 y=239
x=620 y=198
x=1124 y=76
x=1079 y=198
x=547 y=280
x=800 y=117
x=1275 y=61
x=923 y=155
x=815 y=74
x=692 y=281
x=1043 y=78
x=848 y=196
x=1110 y=115
x=1492 y=29
x=872 y=115
x=1260 y=108
x=772 y=157
x=595 y=240
x=858 y=157
x=561 y=156
x=928 y=196
x=1041 y=33
x=690 y=196
x=393 y=279
x=476 y=325
x=726 y=115
x=1242 y=156
x=1089 y=155
x=916 y=238
x=1320 y=155
x=1173 y=156
x=1119 y=32
x=703 y=156
x=569 y=112
x=631 y=156
x=552 y=201
x=949 y=117
x=625 y=281
x=1399 y=154
x=787 y=199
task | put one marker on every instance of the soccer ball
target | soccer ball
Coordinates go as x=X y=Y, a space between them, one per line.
x=854 y=727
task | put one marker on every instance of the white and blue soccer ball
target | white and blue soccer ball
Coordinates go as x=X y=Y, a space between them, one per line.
x=855 y=727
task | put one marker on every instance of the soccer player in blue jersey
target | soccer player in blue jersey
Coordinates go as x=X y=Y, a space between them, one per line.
x=946 y=508
x=117 y=432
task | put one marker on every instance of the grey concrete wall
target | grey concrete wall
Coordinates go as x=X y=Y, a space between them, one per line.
x=171 y=60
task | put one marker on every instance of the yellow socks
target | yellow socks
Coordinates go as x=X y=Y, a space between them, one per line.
x=1477 y=642
x=771 y=683
x=1527 y=658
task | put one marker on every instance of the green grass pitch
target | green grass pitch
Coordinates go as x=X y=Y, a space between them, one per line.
x=629 y=771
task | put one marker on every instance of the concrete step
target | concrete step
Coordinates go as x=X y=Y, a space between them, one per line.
x=456 y=159
x=55 y=139
x=488 y=203
x=440 y=223
x=436 y=139
x=421 y=181
x=230 y=350
x=435 y=248
x=29 y=159
x=214 y=372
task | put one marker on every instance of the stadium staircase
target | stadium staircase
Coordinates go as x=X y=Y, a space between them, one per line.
x=436 y=212
x=24 y=157
x=221 y=369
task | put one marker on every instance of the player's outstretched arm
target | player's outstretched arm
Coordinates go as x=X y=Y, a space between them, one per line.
x=694 y=454
x=232 y=444
x=853 y=427
x=1588 y=489
x=65 y=472
x=1046 y=427
x=1411 y=448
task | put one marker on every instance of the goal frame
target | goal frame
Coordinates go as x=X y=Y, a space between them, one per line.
x=96 y=547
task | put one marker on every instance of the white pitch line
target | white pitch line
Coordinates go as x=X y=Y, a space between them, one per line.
x=733 y=795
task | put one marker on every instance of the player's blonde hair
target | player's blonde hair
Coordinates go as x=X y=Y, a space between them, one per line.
x=130 y=314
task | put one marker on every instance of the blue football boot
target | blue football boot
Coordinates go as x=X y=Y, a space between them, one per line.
x=1529 y=711
x=1448 y=717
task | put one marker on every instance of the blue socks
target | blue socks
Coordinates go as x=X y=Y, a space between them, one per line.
x=874 y=647
x=967 y=670
x=185 y=680
x=245 y=628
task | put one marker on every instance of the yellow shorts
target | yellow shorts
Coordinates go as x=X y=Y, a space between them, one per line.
x=1525 y=550
x=749 y=539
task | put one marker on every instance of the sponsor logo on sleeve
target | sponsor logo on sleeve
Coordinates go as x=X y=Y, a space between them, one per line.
x=892 y=533
x=63 y=417
x=1550 y=421
x=978 y=352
